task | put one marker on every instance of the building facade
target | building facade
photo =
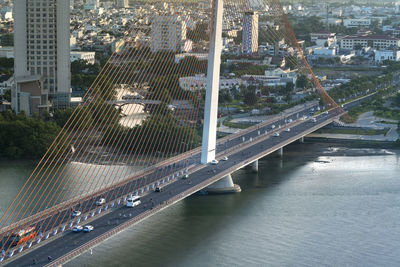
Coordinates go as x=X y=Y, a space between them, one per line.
x=250 y=33
x=352 y=23
x=168 y=33
x=382 y=55
x=89 y=57
x=42 y=49
x=199 y=81
x=374 y=41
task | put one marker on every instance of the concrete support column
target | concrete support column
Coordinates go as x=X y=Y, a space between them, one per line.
x=280 y=152
x=223 y=186
x=301 y=140
x=254 y=166
x=211 y=105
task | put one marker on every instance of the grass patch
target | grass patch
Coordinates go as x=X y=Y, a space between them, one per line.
x=388 y=114
x=355 y=131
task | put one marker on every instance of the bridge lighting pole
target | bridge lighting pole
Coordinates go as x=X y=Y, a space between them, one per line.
x=211 y=105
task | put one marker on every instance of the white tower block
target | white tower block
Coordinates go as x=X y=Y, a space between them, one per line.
x=211 y=105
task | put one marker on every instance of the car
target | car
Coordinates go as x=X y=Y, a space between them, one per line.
x=186 y=176
x=326 y=113
x=88 y=228
x=101 y=201
x=158 y=189
x=76 y=213
x=77 y=229
x=287 y=130
x=314 y=120
x=273 y=126
x=224 y=158
x=276 y=134
x=279 y=126
x=214 y=162
x=290 y=120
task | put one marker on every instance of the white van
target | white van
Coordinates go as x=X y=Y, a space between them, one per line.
x=133 y=201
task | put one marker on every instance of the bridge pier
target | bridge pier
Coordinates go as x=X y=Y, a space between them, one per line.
x=301 y=140
x=223 y=186
x=254 y=166
x=280 y=152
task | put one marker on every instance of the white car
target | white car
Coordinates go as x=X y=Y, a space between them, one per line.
x=101 y=201
x=76 y=213
x=88 y=228
x=224 y=159
x=214 y=162
x=287 y=130
x=276 y=134
x=290 y=120
x=273 y=126
x=77 y=229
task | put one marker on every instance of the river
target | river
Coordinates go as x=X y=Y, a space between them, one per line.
x=318 y=206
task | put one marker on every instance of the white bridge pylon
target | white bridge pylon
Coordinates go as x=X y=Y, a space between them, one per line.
x=213 y=69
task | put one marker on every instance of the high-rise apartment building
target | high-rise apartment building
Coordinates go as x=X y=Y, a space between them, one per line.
x=167 y=33
x=250 y=33
x=42 y=54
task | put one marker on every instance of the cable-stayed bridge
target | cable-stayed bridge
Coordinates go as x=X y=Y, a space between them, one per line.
x=164 y=148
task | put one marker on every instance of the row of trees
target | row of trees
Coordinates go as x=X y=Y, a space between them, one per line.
x=359 y=85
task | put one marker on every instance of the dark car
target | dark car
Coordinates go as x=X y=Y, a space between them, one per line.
x=158 y=189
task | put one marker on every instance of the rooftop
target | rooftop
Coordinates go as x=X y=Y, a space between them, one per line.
x=372 y=37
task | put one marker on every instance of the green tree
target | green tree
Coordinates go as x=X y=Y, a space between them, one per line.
x=25 y=137
x=7 y=95
x=224 y=96
x=303 y=82
x=7 y=39
x=250 y=97
x=6 y=63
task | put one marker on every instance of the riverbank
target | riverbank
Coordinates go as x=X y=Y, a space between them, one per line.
x=353 y=143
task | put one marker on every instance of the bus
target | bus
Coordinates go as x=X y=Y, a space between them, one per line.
x=22 y=236
x=133 y=202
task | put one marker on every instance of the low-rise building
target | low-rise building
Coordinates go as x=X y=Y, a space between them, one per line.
x=382 y=55
x=29 y=95
x=378 y=41
x=89 y=57
x=199 y=81
x=323 y=38
x=6 y=83
x=199 y=56
x=273 y=78
x=352 y=23
x=7 y=51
